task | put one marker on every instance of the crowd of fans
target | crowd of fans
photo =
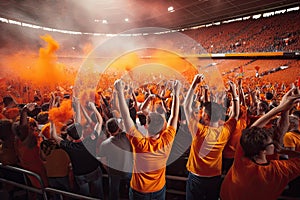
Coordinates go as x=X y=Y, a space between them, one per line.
x=131 y=128
x=277 y=33
x=60 y=135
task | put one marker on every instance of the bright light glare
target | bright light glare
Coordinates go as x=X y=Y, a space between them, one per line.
x=171 y=9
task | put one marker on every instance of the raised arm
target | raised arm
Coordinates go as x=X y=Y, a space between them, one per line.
x=145 y=104
x=98 y=126
x=128 y=123
x=24 y=115
x=241 y=92
x=235 y=101
x=85 y=114
x=187 y=104
x=286 y=104
x=76 y=109
x=175 y=105
x=53 y=133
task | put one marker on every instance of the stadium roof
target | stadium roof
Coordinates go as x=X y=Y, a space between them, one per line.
x=115 y=16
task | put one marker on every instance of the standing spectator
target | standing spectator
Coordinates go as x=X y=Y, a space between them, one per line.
x=291 y=141
x=57 y=164
x=27 y=147
x=86 y=167
x=208 y=141
x=252 y=176
x=116 y=155
x=150 y=153
x=8 y=156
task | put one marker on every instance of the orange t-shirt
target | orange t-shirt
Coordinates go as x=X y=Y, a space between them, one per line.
x=57 y=163
x=230 y=148
x=205 y=157
x=292 y=139
x=150 y=158
x=247 y=180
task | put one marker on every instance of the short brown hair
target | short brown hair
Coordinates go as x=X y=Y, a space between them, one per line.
x=155 y=123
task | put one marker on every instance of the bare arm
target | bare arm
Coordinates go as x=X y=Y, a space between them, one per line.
x=286 y=104
x=175 y=105
x=128 y=123
x=146 y=103
x=235 y=101
x=53 y=133
x=187 y=104
x=85 y=114
x=98 y=126
x=77 y=109
x=241 y=93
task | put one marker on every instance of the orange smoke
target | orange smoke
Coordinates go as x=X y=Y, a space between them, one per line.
x=41 y=70
x=61 y=114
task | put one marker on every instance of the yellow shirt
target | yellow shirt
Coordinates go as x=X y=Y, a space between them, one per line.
x=205 y=157
x=292 y=139
x=230 y=148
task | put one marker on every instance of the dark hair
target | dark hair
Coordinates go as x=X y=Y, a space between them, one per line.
x=45 y=106
x=155 y=123
x=42 y=118
x=112 y=125
x=75 y=131
x=7 y=100
x=269 y=96
x=142 y=118
x=34 y=112
x=214 y=110
x=253 y=140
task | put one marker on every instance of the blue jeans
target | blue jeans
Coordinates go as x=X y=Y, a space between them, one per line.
x=198 y=188
x=114 y=184
x=91 y=184
x=159 y=195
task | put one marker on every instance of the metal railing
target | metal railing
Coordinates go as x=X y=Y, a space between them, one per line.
x=44 y=191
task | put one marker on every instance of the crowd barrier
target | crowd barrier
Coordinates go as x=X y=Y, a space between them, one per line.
x=45 y=191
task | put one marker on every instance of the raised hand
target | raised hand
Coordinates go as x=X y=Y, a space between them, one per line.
x=119 y=85
x=289 y=99
x=232 y=88
x=31 y=106
x=176 y=87
x=198 y=78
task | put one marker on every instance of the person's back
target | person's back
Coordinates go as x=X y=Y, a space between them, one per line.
x=27 y=148
x=57 y=165
x=85 y=167
x=150 y=153
x=208 y=141
x=116 y=155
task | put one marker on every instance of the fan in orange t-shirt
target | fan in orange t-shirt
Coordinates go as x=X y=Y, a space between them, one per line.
x=252 y=176
x=150 y=152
